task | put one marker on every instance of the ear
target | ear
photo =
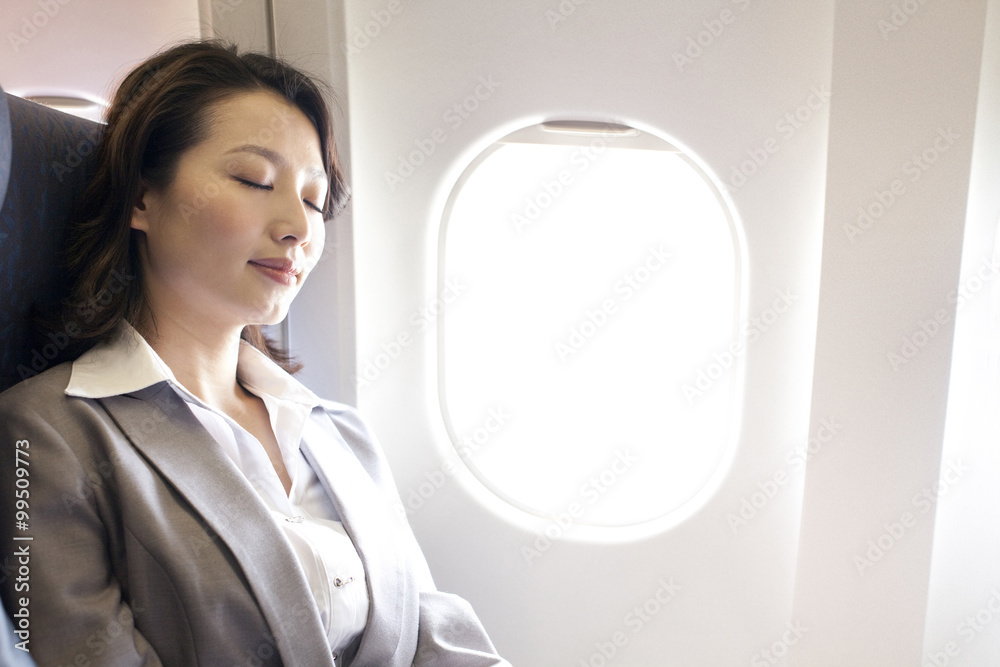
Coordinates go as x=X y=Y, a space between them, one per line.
x=142 y=211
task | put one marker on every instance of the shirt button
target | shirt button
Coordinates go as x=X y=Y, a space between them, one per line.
x=293 y=519
x=338 y=582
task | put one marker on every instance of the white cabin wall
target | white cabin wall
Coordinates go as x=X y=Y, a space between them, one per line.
x=82 y=49
x=897 y=431
x=964 y=597
x=246 y=23
x=895 y=93
x=607 y=62
x=310 y=35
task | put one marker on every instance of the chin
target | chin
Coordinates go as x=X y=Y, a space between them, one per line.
x=269 y=317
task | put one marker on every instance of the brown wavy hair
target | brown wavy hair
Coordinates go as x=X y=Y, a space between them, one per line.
x=161 y=110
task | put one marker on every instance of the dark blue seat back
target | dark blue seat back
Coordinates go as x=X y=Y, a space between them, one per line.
x=46 y=159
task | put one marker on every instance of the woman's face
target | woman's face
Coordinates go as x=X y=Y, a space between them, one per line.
x=231 y=240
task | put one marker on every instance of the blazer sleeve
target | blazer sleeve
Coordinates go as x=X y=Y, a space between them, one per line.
x=449 y=633
x=76 y=610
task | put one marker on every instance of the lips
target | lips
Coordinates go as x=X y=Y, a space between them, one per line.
x=279 y=269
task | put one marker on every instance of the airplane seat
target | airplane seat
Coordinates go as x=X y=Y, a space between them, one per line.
x=46 y=160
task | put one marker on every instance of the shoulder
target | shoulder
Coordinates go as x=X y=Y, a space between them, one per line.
x=41 y=407
x=359 y=437
x=62 y=432
x=40 y=391
x=346 y=418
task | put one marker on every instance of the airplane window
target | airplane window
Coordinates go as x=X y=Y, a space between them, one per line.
x=589 y=347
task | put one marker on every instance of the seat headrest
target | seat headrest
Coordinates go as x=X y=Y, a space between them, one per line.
x=45 y=165
x=5 y=147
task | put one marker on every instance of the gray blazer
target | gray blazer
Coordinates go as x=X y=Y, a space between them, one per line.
x=150 y=547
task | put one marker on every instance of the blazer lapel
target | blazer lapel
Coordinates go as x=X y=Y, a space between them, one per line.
x=159 y=424
x=371 y=523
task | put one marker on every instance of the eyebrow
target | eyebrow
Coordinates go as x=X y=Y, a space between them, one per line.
x=277 y=159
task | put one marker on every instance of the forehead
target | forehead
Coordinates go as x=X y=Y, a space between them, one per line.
x=264 y=119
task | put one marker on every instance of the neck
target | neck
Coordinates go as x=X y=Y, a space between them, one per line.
x=202 y=358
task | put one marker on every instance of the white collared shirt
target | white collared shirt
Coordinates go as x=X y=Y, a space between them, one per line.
x=306 y=515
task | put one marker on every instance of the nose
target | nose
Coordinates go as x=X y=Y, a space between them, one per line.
x=292 y=224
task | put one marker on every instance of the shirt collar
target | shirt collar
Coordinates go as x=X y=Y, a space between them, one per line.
x=128 y=364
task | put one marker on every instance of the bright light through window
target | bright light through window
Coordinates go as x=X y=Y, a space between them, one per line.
x=584 y=363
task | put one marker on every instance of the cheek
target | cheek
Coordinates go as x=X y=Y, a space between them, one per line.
x=198 y=213
x=225 y=219
x=319 y=235
x=317 y=242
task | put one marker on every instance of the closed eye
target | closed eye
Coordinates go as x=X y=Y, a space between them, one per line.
x=252 y=184
x=261 y=186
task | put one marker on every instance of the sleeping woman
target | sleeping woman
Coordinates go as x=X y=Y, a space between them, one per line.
x=191 y=502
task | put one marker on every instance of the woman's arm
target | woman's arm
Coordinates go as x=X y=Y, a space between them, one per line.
x=54 y=536
x=449 y=633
